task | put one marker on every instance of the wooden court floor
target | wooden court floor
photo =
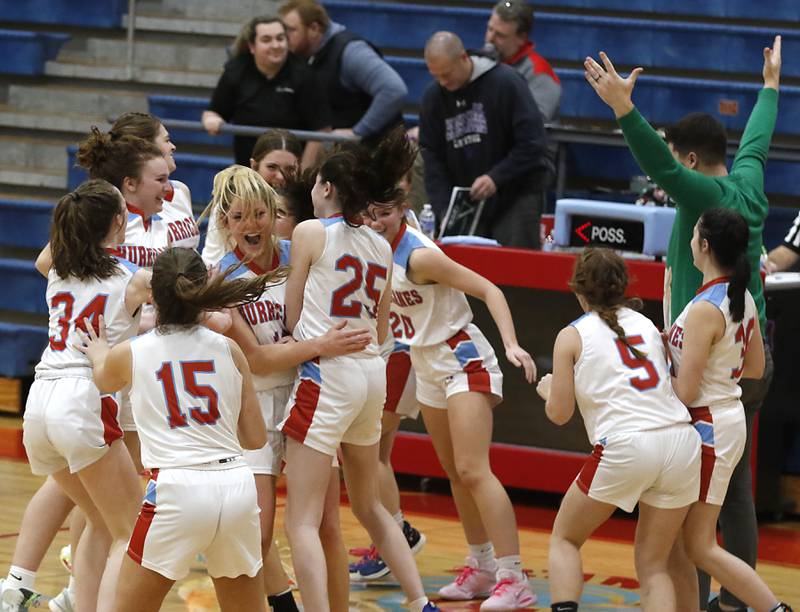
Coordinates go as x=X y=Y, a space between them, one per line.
x=608 y=558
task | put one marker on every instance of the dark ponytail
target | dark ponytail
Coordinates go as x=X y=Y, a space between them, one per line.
x=182 y=290
x=82 y=220
x=363 y=175
x=600 y=276
x=727 y=235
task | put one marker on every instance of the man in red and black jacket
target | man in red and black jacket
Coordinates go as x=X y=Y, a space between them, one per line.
x=508 y=31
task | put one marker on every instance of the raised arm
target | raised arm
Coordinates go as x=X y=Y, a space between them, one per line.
x=651 y=152
x=308 y=240
x=431 y=265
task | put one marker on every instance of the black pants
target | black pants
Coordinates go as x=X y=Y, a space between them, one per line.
x=737 y=519
x=518 y=224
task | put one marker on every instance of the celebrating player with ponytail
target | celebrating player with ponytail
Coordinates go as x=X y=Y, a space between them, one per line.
x=715 y=342
x=612 y=362
x=71 y=428
x=195 y=410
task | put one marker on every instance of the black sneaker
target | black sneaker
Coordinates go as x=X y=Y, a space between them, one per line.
x=415 y=539
x=713 y=606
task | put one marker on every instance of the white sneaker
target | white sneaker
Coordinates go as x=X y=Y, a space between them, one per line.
x=63 y=602
x=20 y=600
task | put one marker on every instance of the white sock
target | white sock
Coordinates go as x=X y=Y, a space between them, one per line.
x=398 y=518
x=418 y=604
x=19 y=578
x=484 y=555
x=511 y=563
x=71 y=585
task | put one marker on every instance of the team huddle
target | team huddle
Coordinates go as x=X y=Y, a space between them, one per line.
x=317 y=317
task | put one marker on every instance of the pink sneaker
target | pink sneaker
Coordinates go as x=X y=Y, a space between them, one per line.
x=510 y=593
x=471 y=583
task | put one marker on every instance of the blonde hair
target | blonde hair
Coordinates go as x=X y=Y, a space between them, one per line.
x=245 y=185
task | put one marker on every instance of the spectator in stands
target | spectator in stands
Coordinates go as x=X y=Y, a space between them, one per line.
x=507 y=32
x=786 y=256
x=480 y=128
x=690 y=167
x=263 y=85
x=365 y=93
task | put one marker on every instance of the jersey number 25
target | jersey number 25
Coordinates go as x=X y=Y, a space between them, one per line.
x=342 y=305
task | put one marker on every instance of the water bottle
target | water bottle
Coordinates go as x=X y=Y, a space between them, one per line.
x=427 y=221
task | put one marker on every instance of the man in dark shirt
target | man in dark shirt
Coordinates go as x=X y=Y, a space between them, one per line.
x=365 y=93
x=480 y=128
x=263 y=85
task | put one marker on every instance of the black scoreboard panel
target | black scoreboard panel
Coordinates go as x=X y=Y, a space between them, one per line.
x=620 y=234
x=538 y=316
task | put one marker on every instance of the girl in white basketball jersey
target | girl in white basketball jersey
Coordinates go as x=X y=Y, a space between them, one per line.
x=246 y=210
x=195 y=410
x=177 y=207
x=714 y=343
x=341 y=271
x=71 y=429
x=612 y=361
x=276 y=155
x=458 y=384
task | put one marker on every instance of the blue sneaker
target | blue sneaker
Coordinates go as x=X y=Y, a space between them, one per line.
x=372 y=568
x=431 y=607
x=355 y=566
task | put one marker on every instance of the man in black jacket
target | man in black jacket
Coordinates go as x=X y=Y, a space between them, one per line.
x=480 y=128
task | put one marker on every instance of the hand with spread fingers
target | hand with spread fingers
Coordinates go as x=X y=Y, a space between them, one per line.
x=610 y=86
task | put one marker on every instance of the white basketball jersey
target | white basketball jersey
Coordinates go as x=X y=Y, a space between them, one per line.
x=69 y=302
x=267 y=316
x=186 y=394
x=177 y=214
x=144 y=240
x=345 y=283
x=720 y=380
x=617 y=392
x=423 y=315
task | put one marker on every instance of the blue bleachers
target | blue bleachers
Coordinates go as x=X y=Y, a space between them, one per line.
x=25 y=224
x=27 y=52
x=775 y=10
x=189 y=109
x=21 y=347
x=640 y=42
x=29 y=287
x=86 y=13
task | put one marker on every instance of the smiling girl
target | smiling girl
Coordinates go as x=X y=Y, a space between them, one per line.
x=458 y=384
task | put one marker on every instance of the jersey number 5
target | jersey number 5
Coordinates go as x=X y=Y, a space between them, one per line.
x=634 y=363
x=340 y=306
x=92 y=311
x=189 y=369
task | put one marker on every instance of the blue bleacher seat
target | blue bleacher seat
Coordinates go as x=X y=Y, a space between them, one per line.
x=776 y=10
x=29 y=287
x=617 y=163
x=568 y=37
x=27 y=52
x=21 y=347
x=86 y=13
x=25 y=224
x=188 y=109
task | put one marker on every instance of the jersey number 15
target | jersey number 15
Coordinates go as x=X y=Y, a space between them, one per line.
x=189 y=370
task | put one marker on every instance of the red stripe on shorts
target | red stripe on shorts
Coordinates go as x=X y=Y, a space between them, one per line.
x=146 y=515
x=589 y=469
x=708 y=455
x=397 y=370
x=478 y=379
x=108 y=414
x=302 y=412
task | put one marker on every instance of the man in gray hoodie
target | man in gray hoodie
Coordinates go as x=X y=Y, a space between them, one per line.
x=366 y=94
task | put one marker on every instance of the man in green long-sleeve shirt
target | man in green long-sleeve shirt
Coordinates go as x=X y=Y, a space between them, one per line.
x=690 y=167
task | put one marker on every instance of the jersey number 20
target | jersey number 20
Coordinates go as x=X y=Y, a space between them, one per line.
x=639 y=383
x=189 y=369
